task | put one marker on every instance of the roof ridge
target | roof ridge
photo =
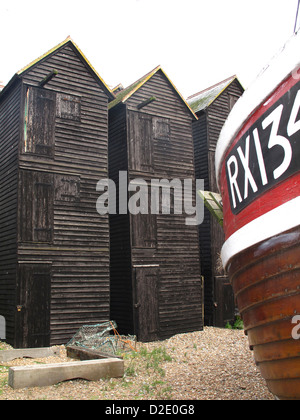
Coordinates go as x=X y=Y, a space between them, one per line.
x=212 y=87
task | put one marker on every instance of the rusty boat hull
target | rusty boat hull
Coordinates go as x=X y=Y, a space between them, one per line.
x=258 y=172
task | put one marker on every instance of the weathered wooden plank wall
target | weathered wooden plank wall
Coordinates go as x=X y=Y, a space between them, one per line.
x=9 y=137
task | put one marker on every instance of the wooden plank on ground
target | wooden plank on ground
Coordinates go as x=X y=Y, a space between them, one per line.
x=82 y=353
x=32 y=353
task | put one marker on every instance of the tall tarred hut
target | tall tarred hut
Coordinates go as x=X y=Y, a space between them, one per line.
x=156 y=288
x=54 y=249
x=212 y=107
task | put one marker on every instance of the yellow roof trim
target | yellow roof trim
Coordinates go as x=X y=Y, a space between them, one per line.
x=68 y=39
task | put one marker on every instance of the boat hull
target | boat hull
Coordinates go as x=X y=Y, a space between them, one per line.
x=266 y=283
x=258 y=173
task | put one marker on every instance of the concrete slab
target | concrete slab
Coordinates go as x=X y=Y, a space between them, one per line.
x=45 y=375
x=33 y=353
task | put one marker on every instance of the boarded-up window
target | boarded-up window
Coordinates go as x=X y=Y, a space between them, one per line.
x=68 y=107
x=162 y=144
x=161 y=129
x=67 y=188
x=39 y=122
x=36 y=207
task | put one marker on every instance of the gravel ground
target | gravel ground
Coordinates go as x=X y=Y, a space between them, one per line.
x=214 y=364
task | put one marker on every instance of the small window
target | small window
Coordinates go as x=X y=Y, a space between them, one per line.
x=68 y=107
x=67 y=188
x=161 y=128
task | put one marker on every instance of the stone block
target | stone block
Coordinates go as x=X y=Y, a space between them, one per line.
x=50 y=374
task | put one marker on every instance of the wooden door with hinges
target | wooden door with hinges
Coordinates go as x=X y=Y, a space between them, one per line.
x=224 y=302
x=39 y=122
x=146 y=303
x=33 y=309
x=36 y=206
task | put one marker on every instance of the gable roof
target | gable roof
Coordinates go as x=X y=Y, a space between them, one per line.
x=48 y=53
x=206 y=97
x=126 y=93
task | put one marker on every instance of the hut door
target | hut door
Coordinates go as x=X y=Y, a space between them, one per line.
x=33 y=310
x=146 y=305
x=224 y=302
x=140 y=142
x=36 y=206
x=39 y=121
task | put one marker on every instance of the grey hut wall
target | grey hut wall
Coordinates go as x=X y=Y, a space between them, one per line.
x=66 y=256
x=168 y=260
x=206 y=133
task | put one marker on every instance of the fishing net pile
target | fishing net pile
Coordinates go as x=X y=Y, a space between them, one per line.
x=103 y=337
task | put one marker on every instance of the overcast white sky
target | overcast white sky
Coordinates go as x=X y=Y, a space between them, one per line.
x=197 y=42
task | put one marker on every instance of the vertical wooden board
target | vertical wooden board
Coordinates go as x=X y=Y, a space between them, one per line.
x=43 y=198
x=25 y=219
